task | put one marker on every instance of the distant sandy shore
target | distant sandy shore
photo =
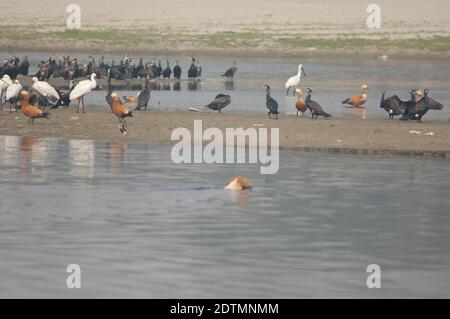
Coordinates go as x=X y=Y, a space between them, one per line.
x=335 y=135
x=259 y=28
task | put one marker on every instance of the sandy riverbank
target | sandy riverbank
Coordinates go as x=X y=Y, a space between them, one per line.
x=330 y=135
x=255 y=28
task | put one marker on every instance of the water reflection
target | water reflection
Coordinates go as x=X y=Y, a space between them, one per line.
x=118 y=151
x=82 y=158
x=229 y=85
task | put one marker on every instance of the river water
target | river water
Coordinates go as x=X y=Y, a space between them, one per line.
x=140 y=226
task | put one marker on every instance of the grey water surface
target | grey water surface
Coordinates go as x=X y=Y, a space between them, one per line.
x=140 y=226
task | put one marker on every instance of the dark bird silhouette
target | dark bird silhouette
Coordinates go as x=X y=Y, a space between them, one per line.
x=415 y=111
x=219 y=102
x=159 y=69
x=192 y=71
x=271 y=103
x=230 y=72
x=314 y=107
x=167 y=71
x=177 y=71
x=394 y=105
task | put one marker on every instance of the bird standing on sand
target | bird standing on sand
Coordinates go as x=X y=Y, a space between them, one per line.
x=177 y=70
x=416 y=110
x=230 y=72
x=167 y=71
x=121 y=111
x=239 y=183
x=83 y=88
x=271 y=103
x=143 y=97
x=293 y=81
x=300 y=104
x=30 y=111
x=5 y=81
x=219 y=102
x=315 y=108
x=394 y=105
x=45 y=89
x=358 y=100
x=12 y=94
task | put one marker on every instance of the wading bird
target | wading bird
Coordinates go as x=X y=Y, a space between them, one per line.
x=12 y=94
x=30 y=111
x=300 y=104
x=358 y=100
x=121 y=111
x=314 y=107
x=230 y=72
x=271 y=103
x=219 y=102
x=83 y=88
x=46 y=90
x=5 y=81
x=143 y=97
x=293 y=81
x=239 y=183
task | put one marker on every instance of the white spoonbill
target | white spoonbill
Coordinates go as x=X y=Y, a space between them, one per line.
x=12 y=94
x=83 y=88
x=293 y=81
x=45 y=89
x=5 y=81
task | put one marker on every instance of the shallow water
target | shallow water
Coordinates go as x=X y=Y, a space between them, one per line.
x=332 y=80
x=140 y=226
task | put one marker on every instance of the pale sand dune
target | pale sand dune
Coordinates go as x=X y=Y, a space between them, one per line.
x=322 y=17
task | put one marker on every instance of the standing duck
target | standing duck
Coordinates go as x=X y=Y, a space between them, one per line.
x=220 y=101
x=314 y=107
x=293 y=81
x=358 y=100
x=300 y=104
x=121 y=111
x=271 y=103
x=30 y=111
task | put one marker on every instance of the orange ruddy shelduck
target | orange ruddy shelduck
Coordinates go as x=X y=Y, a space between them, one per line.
x=358 y=100
x=121 y=111
x=239 y=183
x=300 y=104
x=31 y=111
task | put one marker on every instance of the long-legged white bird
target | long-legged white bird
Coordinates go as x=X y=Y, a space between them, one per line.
x=5 y=81
x=83 y=88
x=293 y=81
x=45 y=89
x=12 y=94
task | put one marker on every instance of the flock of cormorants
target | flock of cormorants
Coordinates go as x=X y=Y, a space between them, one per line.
x=42 y=94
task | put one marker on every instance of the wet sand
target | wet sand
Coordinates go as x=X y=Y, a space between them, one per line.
x=338 y=135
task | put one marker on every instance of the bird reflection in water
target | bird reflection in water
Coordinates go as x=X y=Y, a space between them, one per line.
x=82 y=158
x=229 y=85
x=177 y=86
x=118 y=151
